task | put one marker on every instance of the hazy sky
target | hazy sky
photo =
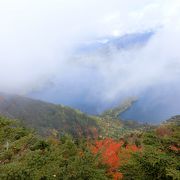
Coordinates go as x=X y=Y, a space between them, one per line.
x=38 y=39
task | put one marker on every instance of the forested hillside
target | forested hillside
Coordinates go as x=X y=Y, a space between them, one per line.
x=47 y=117
x=151 y=154
x=25 y=155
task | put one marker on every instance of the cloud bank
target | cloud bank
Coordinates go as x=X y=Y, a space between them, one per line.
x=39 y=42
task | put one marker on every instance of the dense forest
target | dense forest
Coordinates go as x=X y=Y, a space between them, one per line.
x=151 y=153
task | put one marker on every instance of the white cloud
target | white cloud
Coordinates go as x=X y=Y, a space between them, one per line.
x=37 y=37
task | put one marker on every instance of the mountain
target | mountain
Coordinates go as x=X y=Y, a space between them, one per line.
x=117 y=111
x=47 y=117
x=174 y=120
x=155 y=105
x=114 y=148
x=105 y=44
x=89 y=60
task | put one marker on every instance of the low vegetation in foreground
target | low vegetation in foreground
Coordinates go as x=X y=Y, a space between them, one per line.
x=151 y=154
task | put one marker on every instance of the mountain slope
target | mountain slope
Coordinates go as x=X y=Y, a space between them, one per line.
x=46 y=116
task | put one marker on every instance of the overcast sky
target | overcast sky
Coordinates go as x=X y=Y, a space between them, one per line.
x=37 y=39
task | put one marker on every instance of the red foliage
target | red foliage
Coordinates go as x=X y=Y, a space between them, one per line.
x=117 y=176
x=109 y=150
x=113 y=154
x=174 y=148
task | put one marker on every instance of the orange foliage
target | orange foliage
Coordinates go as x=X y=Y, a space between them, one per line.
x=81 y=153
x=113 y=154
x=174 y=148
x=109 y=150
x=117 y=176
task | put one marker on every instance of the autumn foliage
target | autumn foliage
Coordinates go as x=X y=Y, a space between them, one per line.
x=113 y=154
x=174 y=148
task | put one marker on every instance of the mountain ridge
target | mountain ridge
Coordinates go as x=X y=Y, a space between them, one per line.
x=46 y=117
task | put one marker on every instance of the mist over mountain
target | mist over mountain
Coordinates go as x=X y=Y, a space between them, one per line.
x=89 y=88
x=155 y=105
x=82 y=87
x=106 y=44
x=93 y=55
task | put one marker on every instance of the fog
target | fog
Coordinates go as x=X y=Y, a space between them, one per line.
x=40 y=57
